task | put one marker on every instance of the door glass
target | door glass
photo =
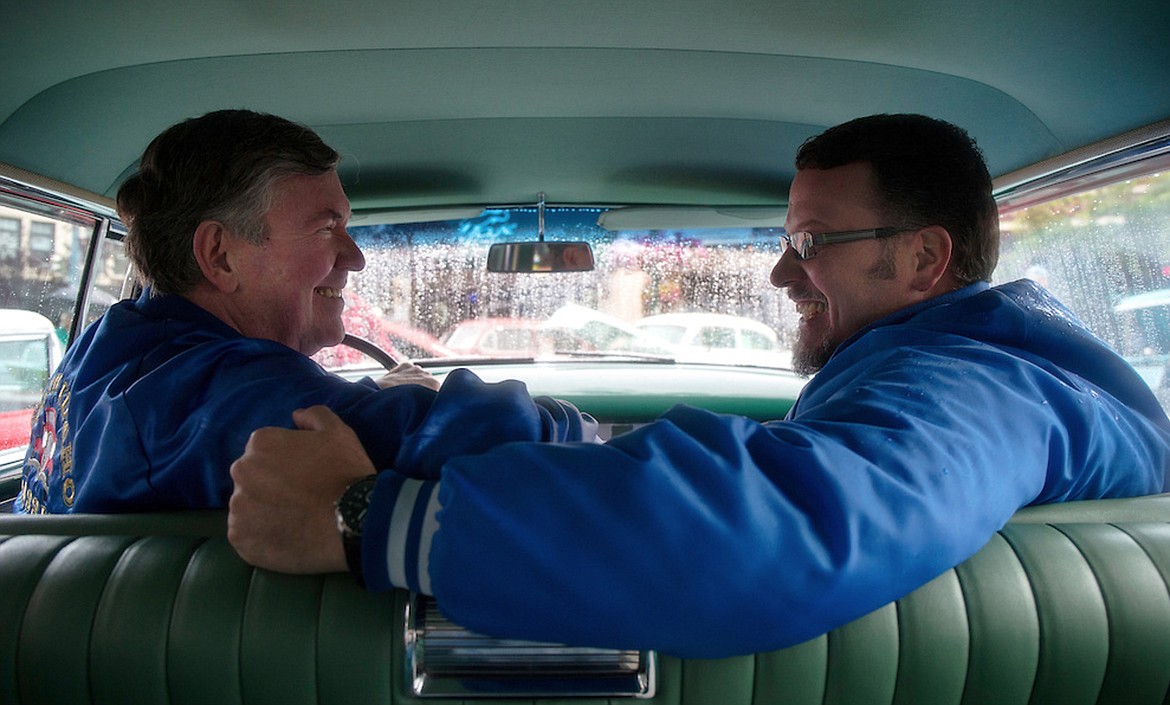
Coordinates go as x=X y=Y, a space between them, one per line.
x=1105 y=252
x=43 y=250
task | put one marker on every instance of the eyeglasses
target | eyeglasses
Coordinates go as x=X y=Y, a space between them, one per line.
x=805 y=244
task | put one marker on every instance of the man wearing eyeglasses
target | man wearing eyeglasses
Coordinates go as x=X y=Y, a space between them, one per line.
x=899 y=225
x=940 y=406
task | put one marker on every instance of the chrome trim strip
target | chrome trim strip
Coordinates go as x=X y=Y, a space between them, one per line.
x=62 y=193
x=1130 y=154
x=92 y=258
x=444 y=659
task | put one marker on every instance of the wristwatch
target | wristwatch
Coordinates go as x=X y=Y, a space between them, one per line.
x=351 y=508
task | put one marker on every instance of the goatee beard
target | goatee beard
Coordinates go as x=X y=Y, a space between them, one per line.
x=808 y=359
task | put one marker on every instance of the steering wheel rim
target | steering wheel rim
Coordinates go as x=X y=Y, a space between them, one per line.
x=367 y=348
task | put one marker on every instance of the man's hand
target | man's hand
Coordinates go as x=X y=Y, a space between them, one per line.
x=281 y=511
x=408 y=373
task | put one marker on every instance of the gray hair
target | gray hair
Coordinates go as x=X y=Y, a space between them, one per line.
x=222 y=167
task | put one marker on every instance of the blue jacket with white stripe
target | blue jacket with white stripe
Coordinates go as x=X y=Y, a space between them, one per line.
x=708 y=535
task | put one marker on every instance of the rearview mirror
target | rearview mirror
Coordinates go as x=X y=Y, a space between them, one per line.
x=537 y=256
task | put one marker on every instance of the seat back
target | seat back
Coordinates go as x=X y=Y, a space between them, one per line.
x=1066 y=604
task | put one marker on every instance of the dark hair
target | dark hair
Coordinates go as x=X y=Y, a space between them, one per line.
x=927 y=172
x=220 y=166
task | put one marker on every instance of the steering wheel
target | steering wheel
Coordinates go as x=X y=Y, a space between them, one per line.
x=367 y=348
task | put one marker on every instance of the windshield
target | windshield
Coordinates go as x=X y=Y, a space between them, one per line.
x=426 y=293
x=703 y=295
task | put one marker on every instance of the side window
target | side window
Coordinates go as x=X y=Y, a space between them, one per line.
x=716 y=337
x=42 y=260
x=43 y=251
x=756 y=341
x=9 y=239
x=42 y=240
x=1105 y=252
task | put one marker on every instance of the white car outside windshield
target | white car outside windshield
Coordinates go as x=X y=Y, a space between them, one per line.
x=718 y=338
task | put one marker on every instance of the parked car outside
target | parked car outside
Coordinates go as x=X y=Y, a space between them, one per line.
x=400 y=341
x=502 y=337
x=1146 y=318
x=606 y=332
x=718 y=337
x=572 y=330
x=414 y=344
x=29 y=353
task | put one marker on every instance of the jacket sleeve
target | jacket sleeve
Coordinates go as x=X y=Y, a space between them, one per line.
x=218 y=399
x=707 y=535
x=414 y=430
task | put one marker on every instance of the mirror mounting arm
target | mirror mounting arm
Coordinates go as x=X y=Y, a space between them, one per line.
x=538 y=256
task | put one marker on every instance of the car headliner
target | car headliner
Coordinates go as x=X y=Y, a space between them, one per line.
x=592 y=101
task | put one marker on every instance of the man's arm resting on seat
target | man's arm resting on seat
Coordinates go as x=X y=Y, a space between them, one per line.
x=285 y=520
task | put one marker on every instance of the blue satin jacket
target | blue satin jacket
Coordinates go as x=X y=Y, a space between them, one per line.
x=708 y=535
x=152 y=404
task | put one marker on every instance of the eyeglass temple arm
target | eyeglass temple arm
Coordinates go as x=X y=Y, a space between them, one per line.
x=851 y=235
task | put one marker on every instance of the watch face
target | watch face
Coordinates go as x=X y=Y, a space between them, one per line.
x=354 y=503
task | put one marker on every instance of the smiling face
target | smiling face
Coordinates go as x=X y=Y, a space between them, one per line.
x=849 y=285
x=290 y=286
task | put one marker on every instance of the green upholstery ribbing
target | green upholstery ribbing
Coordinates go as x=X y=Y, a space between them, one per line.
x=1066 y=604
